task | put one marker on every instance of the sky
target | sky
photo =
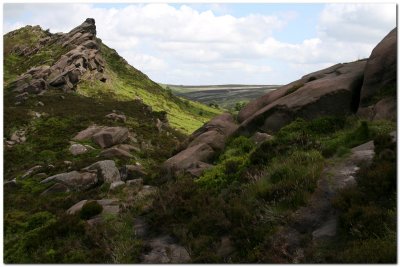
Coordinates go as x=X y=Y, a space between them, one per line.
x=198 y=44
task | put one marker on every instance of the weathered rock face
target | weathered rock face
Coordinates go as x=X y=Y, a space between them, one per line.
x=188 y=158
x=333 y=91
x=83 y=57
x=381 y=68
x=203 y=144
x=87 y=133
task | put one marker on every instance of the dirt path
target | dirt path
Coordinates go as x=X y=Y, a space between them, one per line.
x=317 y=221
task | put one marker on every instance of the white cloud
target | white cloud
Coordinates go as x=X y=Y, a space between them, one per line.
x=182 y=45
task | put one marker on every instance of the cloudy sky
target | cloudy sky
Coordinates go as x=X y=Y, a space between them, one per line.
x=196 y=44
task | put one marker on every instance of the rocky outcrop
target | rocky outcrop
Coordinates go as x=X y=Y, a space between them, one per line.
x=106 y=137
x=202 y=146
x=82 y=57
x=309 y=98
x=381 y=68
x=110 y=207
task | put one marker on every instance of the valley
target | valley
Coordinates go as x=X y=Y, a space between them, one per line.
x=224 y=96
x=103 y=165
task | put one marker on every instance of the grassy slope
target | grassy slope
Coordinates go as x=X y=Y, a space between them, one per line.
x=127 y=83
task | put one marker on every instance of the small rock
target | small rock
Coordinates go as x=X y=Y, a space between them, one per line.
x=116 y=117
x=30 y=171
x=134 y=171
x=115 y=152
x=10 y=184
x=67 y=162
x=136 y=183
x=17 y=103
x=259 y=137
x=77 y=149
x=116 y=185
x=62 y=97
x=40 y=103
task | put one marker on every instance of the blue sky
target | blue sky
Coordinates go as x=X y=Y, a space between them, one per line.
x=222 y=43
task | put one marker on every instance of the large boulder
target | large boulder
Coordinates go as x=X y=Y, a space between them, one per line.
x=106 y=169
x=381 y=68
x=110 y=136
x=385 y=109
x=75 y=180
x=188 y=158
x=331 y=92
x=257 y=104
x=224 y=124
x=88 y=132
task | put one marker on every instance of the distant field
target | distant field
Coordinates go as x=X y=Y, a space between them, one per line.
x=225 y=96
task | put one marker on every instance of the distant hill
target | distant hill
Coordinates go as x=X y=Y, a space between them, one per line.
x=225 y=96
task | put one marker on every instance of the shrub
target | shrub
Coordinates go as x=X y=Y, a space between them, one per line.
x=90 y=209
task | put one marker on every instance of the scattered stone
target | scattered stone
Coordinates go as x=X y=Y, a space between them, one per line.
x=62 y=97
x=128 y=148
x=87 y=133
x=134 y=172
x=259 y=138
x=107 y=170
x=165 y=250
x=56 y=189
x=117 y=184
x=18 y=136
x=31 y=171
x=115 y=152
x=77 y=149
x=77 y=207
x=110 y=136
x=135 y=183
x=116 y=117
x=75 y=180
x=67 y=162
x=40 y=103
x=110 y=207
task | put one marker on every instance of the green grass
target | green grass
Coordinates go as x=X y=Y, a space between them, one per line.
x=127 y=83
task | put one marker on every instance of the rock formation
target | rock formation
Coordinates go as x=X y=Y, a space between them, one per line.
x=82 y=57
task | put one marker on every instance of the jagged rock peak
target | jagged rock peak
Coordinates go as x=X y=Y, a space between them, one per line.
x=88 y=26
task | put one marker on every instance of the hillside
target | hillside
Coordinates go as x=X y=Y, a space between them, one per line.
x=79 y=121
x=304 y=174
x=225 y=96
x=31 y=47
x=102 y=165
